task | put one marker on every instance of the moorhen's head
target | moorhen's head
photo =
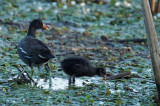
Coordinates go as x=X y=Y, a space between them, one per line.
x=101 y=72
x=37 y=23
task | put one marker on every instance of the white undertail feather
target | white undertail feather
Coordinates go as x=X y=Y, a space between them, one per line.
x=41 y=56
x=28 y=57
x=23 y=50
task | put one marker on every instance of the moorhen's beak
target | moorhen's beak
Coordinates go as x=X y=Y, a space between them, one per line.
x=44 y=27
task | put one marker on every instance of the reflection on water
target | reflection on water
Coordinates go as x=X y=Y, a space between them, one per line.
x=60 y=83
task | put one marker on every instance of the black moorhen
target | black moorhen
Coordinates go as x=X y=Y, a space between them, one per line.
x=32 y=51
x=77 y=66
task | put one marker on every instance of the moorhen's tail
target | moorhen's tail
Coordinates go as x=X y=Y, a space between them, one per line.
x=51 y=56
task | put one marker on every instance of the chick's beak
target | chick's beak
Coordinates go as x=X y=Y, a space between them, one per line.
x=44 y=27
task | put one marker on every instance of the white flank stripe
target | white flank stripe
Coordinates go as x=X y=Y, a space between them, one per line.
x=23 y=50
x=28 y=57
x=41 y=56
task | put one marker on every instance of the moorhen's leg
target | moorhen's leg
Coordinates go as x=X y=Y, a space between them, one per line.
x=47 y=73
x=69 y=80
x=38 y=73
x=73 y=79
x=48 y=70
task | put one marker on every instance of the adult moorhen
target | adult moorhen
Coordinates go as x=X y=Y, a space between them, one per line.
x=32 y=51
x=77 y=66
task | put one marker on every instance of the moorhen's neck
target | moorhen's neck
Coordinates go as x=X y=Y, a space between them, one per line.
x=31 y=31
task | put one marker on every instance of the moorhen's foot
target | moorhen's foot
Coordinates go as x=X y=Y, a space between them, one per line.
x=26 y=73
x=21 y=80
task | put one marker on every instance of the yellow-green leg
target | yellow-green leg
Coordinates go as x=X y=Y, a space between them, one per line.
x=48 y=71
x=38 y=73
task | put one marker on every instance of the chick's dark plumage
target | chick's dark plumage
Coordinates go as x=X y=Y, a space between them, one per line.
x=77 y=66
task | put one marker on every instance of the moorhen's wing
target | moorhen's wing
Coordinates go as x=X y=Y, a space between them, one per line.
x=37 y=47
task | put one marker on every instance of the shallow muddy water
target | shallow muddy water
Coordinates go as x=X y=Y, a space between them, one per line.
x=61 y=83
